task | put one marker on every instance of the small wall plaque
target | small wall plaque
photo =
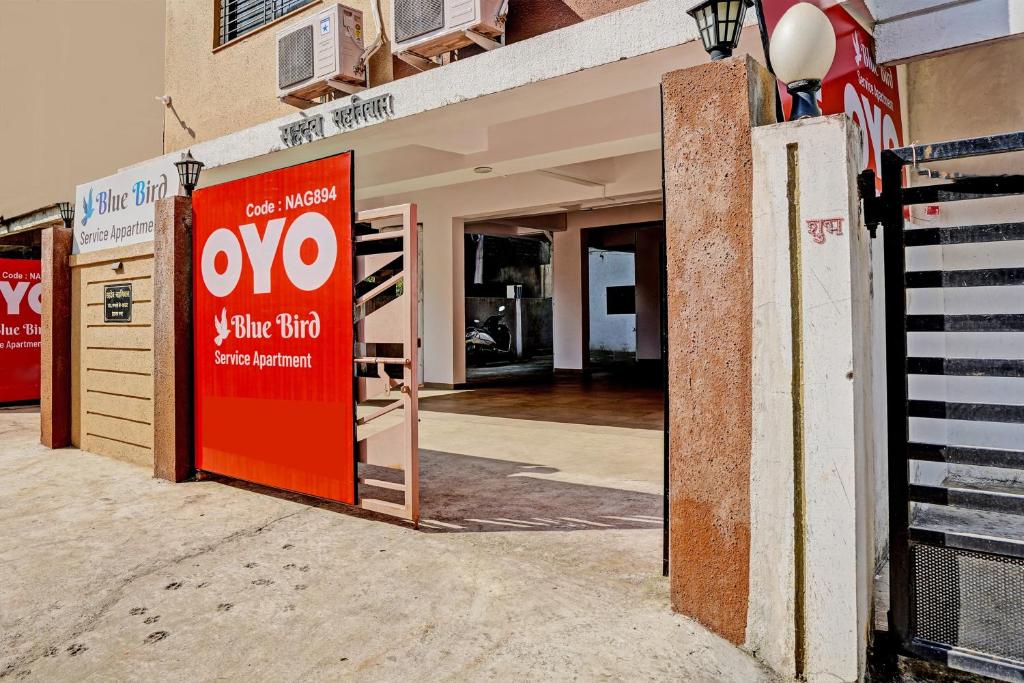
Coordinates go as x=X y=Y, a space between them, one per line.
x=117 y=303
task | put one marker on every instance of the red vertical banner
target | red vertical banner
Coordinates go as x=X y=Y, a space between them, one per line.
x=855 y=85
x=20 y=307
x=273 y=329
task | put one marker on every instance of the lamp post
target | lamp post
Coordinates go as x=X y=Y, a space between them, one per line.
x=188 y=172
x=67 y=213
x=720 y=23
x=803 y=46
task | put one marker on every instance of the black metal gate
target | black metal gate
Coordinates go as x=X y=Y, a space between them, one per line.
x=956 y=498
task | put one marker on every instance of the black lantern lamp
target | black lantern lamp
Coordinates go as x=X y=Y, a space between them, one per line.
x=67 y=213
x=719 y=23
x=188 y=172
x=803 y=46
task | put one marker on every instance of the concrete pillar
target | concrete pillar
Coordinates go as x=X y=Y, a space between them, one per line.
x=709 y=111
x=444 y=300
x=648 y=294
x=55 y=353
x=567 y=300
x=811 y=481
x=173 y=427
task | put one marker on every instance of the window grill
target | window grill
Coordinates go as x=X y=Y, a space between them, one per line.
x=238 y=17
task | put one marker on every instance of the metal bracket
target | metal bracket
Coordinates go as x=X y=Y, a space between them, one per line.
x=349 y=88
x=482 y=40
x=417 y=62
x=872 y=203
x=341 y=86
x=297 y=102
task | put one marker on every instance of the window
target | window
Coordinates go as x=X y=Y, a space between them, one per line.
x=238 y=17
x=622 y=300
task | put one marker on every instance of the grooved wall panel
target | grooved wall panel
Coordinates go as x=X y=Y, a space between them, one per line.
x=112 y=374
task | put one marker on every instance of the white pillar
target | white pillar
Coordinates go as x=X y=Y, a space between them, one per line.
x=811 y=484
x=567 y=299
x=443 y=297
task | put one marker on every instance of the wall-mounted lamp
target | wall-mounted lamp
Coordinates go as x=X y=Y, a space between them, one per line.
x=117 y=266
x=803 y=46
x=188 y=172
x=720 y=23
x=67 y=213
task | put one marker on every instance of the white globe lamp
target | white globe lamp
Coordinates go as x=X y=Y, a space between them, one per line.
x=802 y=48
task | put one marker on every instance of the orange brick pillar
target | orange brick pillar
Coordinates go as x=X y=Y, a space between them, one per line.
x=173 y=428
x=709 y=111
x=55 y=352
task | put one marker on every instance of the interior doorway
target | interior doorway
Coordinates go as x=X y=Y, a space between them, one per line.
x=508 y=301
x=623 y=292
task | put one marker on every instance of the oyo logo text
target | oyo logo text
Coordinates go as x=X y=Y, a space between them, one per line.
x=878 y=126
x=261 y=254
x=14 y=293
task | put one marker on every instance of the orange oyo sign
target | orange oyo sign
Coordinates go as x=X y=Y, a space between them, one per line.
x=273 y=331
x=20 y=307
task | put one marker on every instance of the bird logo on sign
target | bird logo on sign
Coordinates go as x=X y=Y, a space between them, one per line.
x=221 y=325
x=87 y=208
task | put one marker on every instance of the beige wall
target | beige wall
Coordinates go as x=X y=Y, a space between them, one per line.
x=217 y=91
x=966 y=93
x=77 y=82
x=112 y=363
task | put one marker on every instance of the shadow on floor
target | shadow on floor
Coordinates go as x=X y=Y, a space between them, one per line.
x=461 y=494
x=19 y=407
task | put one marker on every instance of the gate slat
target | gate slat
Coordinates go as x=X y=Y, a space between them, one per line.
x=963 y=497
x=1001 y=322
x=981 y=277
x=967 y=541
x=981 y=412
x=966 y=455
x=965 y=367
x=965 y=234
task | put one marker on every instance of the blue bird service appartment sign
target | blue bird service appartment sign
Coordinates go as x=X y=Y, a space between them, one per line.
x=120 y=209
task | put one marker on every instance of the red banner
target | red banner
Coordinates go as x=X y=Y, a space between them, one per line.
x=273 y=329
x=855 y=85
x=20 y=306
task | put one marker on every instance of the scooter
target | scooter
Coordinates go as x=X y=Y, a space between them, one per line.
x=490 y=340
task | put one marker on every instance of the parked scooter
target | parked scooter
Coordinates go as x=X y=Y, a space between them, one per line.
x=490 y=340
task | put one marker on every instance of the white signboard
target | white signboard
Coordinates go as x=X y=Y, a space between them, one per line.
x=120 y=209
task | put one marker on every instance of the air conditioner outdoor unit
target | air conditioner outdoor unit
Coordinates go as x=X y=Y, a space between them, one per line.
x=427 y=28
x=321 y=54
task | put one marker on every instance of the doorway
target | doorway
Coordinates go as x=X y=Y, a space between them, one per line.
x=508 y=303
x=623 y=285
x=554 y=449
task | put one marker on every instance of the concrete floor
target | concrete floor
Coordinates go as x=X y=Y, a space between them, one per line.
x=109 y=574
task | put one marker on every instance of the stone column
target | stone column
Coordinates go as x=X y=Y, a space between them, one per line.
x=173 y=428
x=709 y=111
x=55 y=353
